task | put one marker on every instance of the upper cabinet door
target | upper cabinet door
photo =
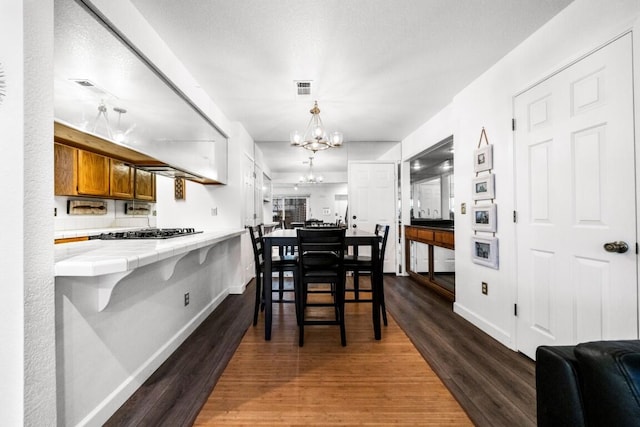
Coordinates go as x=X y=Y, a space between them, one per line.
x=145 y=185
x=122 y=176
x=93 y=174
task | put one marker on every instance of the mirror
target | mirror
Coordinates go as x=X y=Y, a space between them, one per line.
x=103 y=86
x=432 y=190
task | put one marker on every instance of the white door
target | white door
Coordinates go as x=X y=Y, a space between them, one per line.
x=372 y=200
x=575 y=191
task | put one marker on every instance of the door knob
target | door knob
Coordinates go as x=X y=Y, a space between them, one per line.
x=617 y=247
x=354 y=217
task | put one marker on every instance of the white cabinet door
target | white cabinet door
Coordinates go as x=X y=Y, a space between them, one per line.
x=372 y=200
x=575 y=191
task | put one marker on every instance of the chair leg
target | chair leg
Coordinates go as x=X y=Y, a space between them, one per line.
x=356 y=285
x=301 y=307
x=296 y=296
x=383 y=308
x=258 y=303
x=340 y=304
x=281 y=287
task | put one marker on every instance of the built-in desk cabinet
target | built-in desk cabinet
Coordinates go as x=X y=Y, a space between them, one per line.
x=83 y=173
x=433 y=237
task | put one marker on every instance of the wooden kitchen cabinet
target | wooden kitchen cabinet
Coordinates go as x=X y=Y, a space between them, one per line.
x=83 y=173
x=145 y=185
x=121 y=180
x=80 y=173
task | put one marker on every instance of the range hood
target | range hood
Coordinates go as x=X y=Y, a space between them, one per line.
x=110 y=100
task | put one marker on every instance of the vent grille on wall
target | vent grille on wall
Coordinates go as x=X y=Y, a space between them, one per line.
x=303 y=88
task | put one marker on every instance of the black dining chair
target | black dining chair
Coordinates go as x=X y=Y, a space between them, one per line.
x=363 y=265
x=321 y=261
x=278 y=263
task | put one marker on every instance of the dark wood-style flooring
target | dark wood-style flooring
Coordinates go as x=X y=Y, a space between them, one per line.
x=494 y=385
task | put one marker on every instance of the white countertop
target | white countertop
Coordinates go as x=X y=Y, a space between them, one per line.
x=99 y=257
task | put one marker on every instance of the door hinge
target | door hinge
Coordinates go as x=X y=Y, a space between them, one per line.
x=513 y=124
x=515 y=310
x=636 y=248
x=515 y=216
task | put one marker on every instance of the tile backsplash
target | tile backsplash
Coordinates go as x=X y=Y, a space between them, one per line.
x=115 y=216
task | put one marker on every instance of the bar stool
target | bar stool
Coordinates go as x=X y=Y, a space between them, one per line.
x=279 y=263
x=363 y=265
x=321 y=260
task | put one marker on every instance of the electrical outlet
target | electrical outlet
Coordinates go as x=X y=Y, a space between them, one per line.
x=186 y=299
x=214 y=211
x=485 y=288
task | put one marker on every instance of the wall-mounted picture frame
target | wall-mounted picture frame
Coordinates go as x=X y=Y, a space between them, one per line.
x=484 y=187
x=484 y=251
x=483 y=158
x=483 y=218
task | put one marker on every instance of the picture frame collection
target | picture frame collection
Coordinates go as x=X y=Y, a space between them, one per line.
x=484 y=248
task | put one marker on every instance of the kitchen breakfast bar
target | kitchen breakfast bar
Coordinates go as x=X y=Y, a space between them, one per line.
x=123 y=306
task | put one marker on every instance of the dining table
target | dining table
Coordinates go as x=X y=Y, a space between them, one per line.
x=354 y=237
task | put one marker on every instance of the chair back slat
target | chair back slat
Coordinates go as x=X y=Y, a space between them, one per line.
x=382 y=230
x=255 y=234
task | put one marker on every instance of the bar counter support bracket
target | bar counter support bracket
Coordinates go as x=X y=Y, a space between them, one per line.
x=106 y=285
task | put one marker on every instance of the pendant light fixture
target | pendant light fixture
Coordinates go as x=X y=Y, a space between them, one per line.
x=310 y=178
x=315 y=138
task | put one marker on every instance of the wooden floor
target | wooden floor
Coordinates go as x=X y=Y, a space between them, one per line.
x=494 y=385
x=368 y=382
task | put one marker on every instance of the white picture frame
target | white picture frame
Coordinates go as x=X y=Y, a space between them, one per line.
x=483 y=218
x=484 y=251
x=484 y=187
x=483 y=158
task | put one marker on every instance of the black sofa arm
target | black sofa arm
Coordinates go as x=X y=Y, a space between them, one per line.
x=591 y=384
x=558 y=396
x=610 y=379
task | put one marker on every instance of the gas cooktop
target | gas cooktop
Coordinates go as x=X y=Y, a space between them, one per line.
x=148 y=233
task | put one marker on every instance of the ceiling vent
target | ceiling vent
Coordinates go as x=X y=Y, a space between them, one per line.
x=303 y=88
x=92 y=87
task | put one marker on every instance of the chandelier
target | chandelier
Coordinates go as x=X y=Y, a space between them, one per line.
x=315 y=138
x=310 y=178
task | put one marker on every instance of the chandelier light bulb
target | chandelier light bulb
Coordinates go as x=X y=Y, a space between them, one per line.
x=296 y=138
x=336 y=138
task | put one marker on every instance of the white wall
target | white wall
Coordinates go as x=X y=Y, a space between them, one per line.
x=487 y=102
x=27 y=354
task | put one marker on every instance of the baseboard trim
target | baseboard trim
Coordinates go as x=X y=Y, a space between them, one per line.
x=101 y=413
x=487 y=327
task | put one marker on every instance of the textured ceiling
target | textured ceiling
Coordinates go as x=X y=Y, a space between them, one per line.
x=379 y=68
